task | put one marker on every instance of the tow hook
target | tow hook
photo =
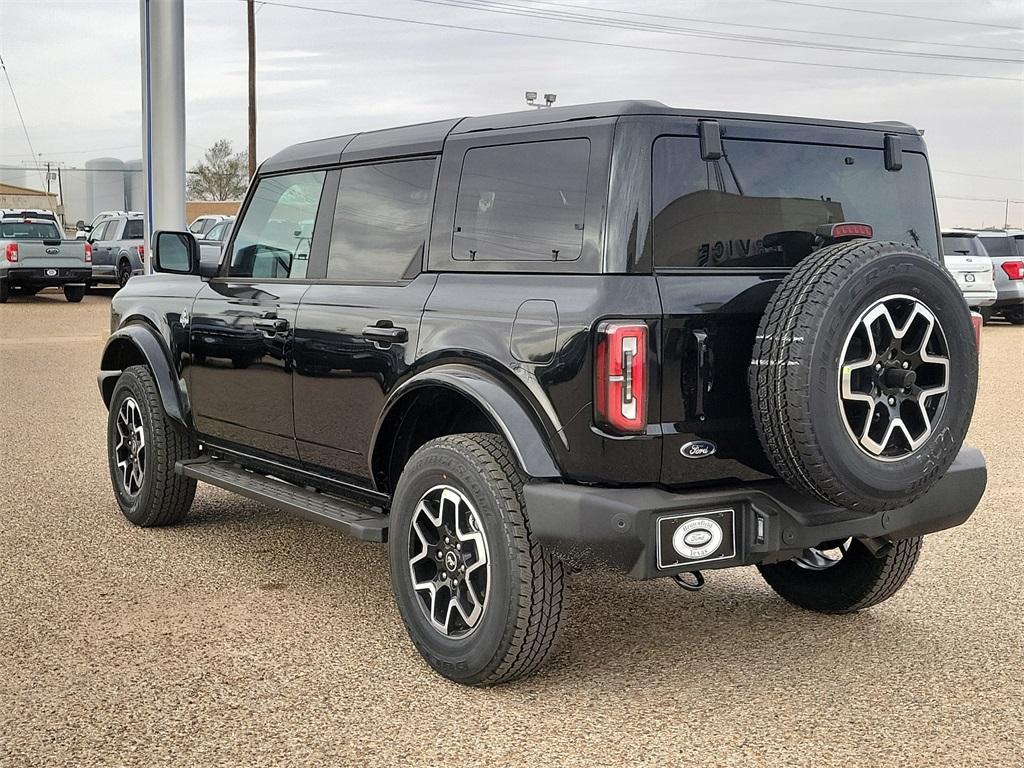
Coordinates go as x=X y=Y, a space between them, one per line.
x=696 y=585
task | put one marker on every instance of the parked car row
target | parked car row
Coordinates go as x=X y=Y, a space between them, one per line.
x=36 y=253
x=989 y=268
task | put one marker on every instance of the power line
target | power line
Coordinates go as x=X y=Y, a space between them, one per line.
x=627 y=46
x=17 y=107
x=816 y=32
x=897 y=15
x=979 y=175
x=980 y=199
x=605 y=21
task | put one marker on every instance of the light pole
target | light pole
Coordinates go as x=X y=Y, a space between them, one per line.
x=549 y=99
x=163 y=115
x=250 y=12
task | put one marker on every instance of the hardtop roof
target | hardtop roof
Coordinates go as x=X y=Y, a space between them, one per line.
x=424 y=138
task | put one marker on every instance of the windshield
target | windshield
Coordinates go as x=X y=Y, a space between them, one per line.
x=761 y=203
x=963 y=245
x=30 y=230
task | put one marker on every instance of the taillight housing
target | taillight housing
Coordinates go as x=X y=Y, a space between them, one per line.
x=88 y=253
x=142 y=252
x=620 y=376
x=11 y=253
x=1014 y=269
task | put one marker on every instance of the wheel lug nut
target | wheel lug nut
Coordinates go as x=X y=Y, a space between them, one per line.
x=458 y=545
x=892 y=401
x=447 y=540
x=878 y=366
x=906 y=364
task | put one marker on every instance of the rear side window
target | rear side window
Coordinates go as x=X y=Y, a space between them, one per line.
x=998 y=246
x=760 y=204
x=522 y=202
x=133 y=230
x=381 y=221
x=276 y=231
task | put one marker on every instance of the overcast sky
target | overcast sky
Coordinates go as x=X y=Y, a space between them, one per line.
x=75 y=71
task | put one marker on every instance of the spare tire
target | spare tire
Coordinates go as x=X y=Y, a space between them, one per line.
x=864 y=375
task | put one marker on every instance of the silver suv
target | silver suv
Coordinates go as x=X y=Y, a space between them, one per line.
x=1006 y=249
x=118 y=249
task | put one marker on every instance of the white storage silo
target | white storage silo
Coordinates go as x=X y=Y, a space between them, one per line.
x=135 y=188
x=105 y=187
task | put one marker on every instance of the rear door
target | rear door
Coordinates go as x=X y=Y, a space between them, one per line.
x=358 y=326
x=725 y=232
x=243 y=321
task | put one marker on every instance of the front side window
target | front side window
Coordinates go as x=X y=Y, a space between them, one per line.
x=100 y=231
x=522 y=202
x=197 y=226
x=276 y=231
x=381 y=221
x=762 y=202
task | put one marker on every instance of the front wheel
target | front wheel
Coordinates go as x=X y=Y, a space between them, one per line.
x=843 y=577
x=143 y=445
x=480 y=598
x=74 y=293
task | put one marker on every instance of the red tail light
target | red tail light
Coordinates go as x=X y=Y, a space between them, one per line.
x=88 y=253
x=852 y=229
x=977 y=321
x=12 y=252
x=620 y=381
x=1014 y=269
x=142 y=252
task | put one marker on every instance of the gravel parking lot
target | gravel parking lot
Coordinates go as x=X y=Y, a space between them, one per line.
x=249 y=637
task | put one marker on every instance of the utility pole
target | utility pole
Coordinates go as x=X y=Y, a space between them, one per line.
x=250 y=10
x=1006 y=215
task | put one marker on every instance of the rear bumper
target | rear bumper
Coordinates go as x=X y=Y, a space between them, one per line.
x=40 y=277
x=617 y=528
x=984 y=298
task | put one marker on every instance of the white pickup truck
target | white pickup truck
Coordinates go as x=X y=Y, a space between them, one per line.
x=35 y=256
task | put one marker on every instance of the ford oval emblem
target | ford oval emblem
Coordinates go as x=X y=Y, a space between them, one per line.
x=698 y=449
x=53 y=251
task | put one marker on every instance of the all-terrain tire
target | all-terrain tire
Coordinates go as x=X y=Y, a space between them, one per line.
x=527 y=585
x=859 y=580
x=795 y=374
x=165 y=496
x=74 y=293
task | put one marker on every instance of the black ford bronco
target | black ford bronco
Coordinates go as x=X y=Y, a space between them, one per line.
x=618 y=335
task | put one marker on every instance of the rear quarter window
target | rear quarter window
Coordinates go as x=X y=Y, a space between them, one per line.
x=522 y=202
x=998 y=246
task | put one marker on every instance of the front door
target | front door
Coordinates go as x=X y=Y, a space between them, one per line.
x=357 y=328
x=242 y=327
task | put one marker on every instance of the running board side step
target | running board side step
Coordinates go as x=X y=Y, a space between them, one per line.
x=362 y=522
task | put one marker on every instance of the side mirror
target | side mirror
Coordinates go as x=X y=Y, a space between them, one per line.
x=175 y=252
x=80 y=224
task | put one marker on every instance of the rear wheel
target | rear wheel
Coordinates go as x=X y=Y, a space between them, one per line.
x=124 y=273
x=480 y=598
x=843 y=577
x=1015 y=315
x=74 y=293
x=143 y=445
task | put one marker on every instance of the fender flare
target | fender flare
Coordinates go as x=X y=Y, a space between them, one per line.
x=146 y=343
x=502 y=407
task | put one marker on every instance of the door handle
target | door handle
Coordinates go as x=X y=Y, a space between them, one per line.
x=386 y=332
x=271 y=324
x=703 y=379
